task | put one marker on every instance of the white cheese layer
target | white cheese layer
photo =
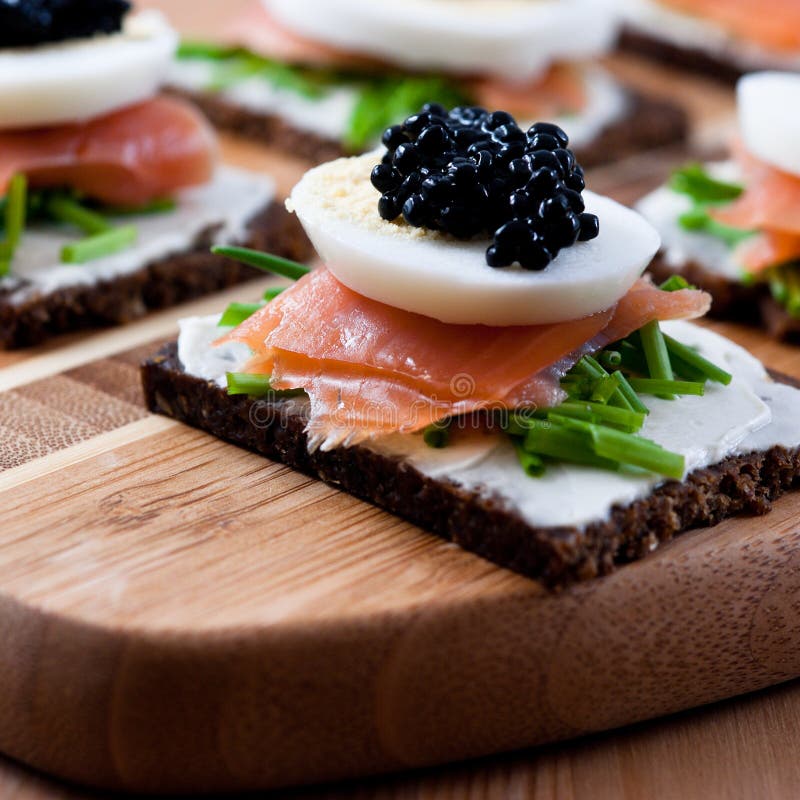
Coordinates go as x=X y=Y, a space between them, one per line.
x=662 y=209
x=753 y=413
x=227 y=203
x=516 y=39
x=329 y=115
x=83 y=78
x=696 y=33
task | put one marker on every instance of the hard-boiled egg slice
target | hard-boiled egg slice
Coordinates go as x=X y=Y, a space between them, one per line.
x=769 y=118
x=514 y=38
x=433 y=274
x=74 y=80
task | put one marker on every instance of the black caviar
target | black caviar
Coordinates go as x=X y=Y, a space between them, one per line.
x=469 y=172
x=24 y=23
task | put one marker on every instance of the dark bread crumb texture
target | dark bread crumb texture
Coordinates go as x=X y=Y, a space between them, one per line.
x=160 y=284
x=557 y=557
x=733 y=300
x=649 y=123
x=691 y=59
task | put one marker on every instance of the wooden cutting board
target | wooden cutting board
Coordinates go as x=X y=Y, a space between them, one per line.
x=176 y=614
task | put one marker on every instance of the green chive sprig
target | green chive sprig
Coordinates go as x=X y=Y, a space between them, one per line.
x=263 y=261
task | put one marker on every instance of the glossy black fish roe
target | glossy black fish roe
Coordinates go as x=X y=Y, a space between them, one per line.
x=469 y=172
x=25 y=23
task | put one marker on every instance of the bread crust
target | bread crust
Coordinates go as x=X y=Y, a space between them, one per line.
x=557 y=557
x=159 y=284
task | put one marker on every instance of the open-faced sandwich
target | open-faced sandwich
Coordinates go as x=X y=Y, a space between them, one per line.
x=109 y=193
x=733 y=227
x=719 y=38
x=481 y=355
x=325 y=77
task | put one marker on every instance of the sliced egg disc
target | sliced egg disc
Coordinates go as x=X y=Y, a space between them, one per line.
x=433 y=274
x=769 y=119
x=516 y=39
x=75 y=80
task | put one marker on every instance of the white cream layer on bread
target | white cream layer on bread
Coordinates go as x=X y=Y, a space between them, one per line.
x=329 y=115
x=663 y=207
x=752 y=414
x=686 y=31
x=226 y=204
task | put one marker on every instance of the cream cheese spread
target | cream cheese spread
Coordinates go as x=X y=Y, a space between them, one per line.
x=663 y=208
x=226 y=204
x=752 y=413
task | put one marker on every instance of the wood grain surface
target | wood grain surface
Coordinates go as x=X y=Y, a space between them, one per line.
x=179 y=615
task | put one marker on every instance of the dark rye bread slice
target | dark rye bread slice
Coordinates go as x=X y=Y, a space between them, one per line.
x=556 y=556
x=691 y=59
x=734 y=300
x=649 y=123
x=159 y=284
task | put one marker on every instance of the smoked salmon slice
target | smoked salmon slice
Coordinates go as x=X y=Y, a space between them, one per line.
x=128 y=158
x=775 y=24
x=770 y=249
x=254 y=29
x=560 y=91
x=369 y=368
x=771 y=200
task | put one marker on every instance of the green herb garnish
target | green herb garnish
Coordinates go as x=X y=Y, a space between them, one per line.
x=264 y=261
x=784 y=283
x=437 y=435
x=236 y=313
x=695 y=181
x=65 y=209
x=257 y=386
x=14 y=213
x=666 y=388
x=99 y=245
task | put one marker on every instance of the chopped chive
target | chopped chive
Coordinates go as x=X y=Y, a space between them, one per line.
x=65 y=209
x=693 y=359
x=610 y=359
x=662 y=387
x=603 y=414
x=638 y=452
x=659 y=366
x=675 y=283
x=207 y=50
x=265 y=261
x=99 y=245
x=626 y=390
x=237 y=313
x=271 y=294
x=256 y=386
x=15 y=211
x=556 y=441
x=632 y=355
x=532 y=465
x=159 y=206
x=695 y=180
x=245 y=383
x=437 y=435
x=604 y=389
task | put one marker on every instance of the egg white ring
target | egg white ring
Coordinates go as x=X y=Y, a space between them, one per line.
x=75 y=80
x=769 y=120
x=514 y=39
x=435 y=275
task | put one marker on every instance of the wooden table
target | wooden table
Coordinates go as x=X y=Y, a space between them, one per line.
x=742 y=748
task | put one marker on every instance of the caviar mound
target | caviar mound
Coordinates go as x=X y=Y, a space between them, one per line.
x=469 y=172
x=25 y=23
